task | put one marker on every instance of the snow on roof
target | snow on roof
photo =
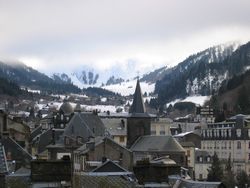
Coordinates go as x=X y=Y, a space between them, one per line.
x=183 y=134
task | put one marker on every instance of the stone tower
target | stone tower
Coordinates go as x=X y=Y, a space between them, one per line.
x=139 y=121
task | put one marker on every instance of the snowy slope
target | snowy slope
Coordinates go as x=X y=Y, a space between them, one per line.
x=197 y=99
x=128 y=88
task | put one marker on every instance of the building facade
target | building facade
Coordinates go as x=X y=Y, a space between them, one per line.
x=229 y=138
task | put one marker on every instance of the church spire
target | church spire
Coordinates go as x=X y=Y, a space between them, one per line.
x=138 y=106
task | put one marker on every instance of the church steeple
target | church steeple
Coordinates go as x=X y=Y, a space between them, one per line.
x=138 y=106
x=139 y=121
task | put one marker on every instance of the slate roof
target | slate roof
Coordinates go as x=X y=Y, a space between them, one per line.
x=137 y=108
x=115 y=126
x=17 y=152
x=109 y=166
x=44 y=139
x=84 y=125
x=182 y=183
x=36 y=132
x=164 y=143
x=98 y=140
x=101 y=181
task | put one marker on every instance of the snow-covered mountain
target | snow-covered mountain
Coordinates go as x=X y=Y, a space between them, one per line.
x=203 y=73
x=200 y=74
x=31 y=79
x=82 y=78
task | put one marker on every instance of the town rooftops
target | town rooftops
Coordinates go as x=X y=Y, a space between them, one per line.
x=151 y=143
x=84 y=125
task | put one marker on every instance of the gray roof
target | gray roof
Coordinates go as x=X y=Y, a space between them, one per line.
x=98 y=140
x=101 y=181
x=151 y=143
x=84 y=125
x=17 y=152
x=115 y=126
x=109 y=166
x=138 y=108
x=44 y=139
x=36 y=132
x=197 y=184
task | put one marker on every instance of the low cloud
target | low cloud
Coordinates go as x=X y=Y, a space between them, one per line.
x=62 y=35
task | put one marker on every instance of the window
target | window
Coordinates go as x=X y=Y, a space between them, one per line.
x=238 y=132
x=238 y=145
x=121 y=138
x=249 y=145
x=249 y=156
x=162 y=132
x=200 y=159
x=188 y=153
x=66 y=141
x=208 y=159
x=200 y=176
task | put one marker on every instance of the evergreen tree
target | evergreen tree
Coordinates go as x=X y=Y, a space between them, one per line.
x=242 y=179
x=215 y=172
x=228 y=178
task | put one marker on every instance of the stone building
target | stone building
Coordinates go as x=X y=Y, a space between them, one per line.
x=93 y=153
x=231 y=137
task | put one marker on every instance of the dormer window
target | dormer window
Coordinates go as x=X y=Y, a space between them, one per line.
x=79 y=140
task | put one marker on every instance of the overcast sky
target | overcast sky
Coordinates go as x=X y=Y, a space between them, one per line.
x=63 y=35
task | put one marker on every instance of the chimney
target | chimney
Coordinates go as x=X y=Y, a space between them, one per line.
x=53 y=137
x=5 y=121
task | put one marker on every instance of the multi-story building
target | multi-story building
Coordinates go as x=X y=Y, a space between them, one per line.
x=161 y=126
x=229 y=138
x=205 y=114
